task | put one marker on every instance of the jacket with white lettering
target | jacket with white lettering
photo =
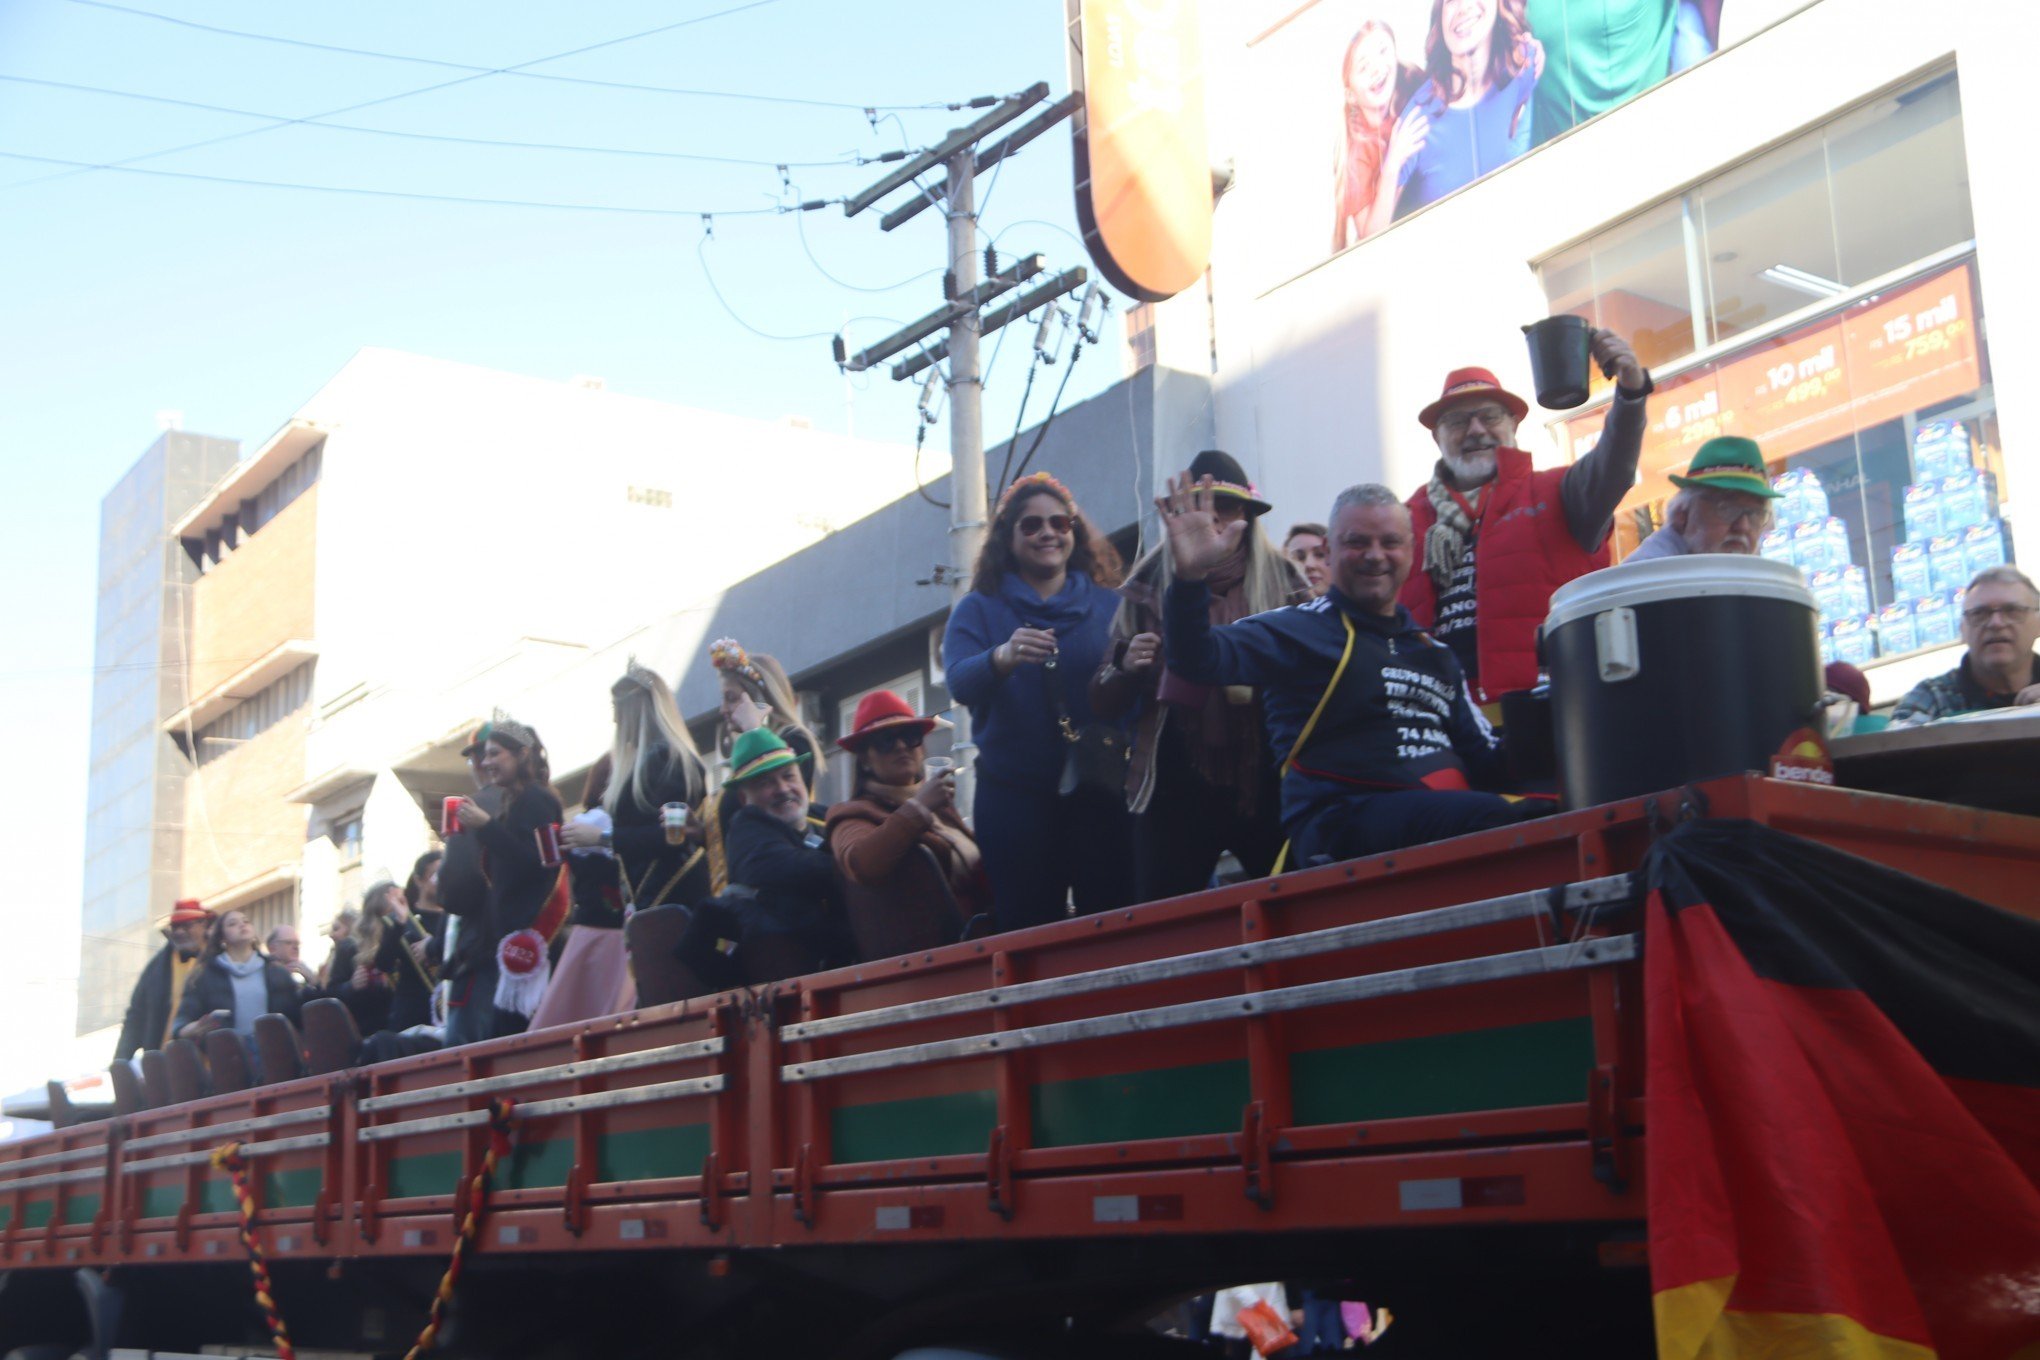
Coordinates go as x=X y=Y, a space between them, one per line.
x=1400 y=719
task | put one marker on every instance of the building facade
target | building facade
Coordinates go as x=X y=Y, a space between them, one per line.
x=421 y=543
x=135 y=797
x=1806 y=217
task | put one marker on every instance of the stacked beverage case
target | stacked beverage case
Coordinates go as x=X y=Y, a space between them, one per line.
x=1952 y=531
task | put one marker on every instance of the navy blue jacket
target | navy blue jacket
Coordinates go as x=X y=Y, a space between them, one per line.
x=1012 y=720
x=1401 y=719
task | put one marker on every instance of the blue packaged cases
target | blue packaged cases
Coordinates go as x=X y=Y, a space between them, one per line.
x=1819 y=544
x=1854 y=641
x=1840 y=592
x=1923 y=511
x=1983 y=547
x=1967 y=498
x=1910 y=575
x=1777 y=545
x=1940 y=449
x=1896 y=631
x=1934 y=619
x=1827 y=643
x=1790 y=507
x=1813 y=501
x=1944 y=563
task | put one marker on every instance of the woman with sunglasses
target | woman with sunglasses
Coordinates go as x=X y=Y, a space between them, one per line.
x=897 y=808
x=1019 y=651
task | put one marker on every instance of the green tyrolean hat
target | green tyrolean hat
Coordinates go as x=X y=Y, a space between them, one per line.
x=758 y=751
x=1728 y=463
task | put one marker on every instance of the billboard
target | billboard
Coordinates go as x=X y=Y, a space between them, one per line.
x=1142 y=167
x=1371 y=110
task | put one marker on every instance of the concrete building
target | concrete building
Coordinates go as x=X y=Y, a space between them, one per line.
x=421 y=542
x=1816 y=236
x=135 y=798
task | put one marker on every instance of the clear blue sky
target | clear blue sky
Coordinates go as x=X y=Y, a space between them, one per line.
x=123 y=294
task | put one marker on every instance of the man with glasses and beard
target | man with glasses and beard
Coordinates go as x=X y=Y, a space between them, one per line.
x=1723 y=504
x=2000 y=624
x=1495 y=537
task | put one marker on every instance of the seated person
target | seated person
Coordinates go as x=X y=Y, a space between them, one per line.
x=2000 y=623
x=283 y=945
x=152 y=1009
x=1723 y=504
x=1382 y=735
x=897 y=806
x=775 y=847
x=234 y=983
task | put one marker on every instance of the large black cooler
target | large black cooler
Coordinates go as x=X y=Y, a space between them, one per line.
x=1678 y=669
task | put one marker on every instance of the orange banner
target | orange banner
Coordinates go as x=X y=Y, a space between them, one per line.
x=1814 y=385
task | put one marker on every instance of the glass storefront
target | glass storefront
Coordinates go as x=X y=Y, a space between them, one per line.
x=1822 y=300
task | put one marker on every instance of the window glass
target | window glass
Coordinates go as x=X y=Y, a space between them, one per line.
x=1900 y=180
x=1767 y=234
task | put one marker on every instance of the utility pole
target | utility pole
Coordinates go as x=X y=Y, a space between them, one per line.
x=962 y=296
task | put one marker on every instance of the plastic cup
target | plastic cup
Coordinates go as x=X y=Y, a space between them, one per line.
x=1561 y=361
x=548 y=838
x=449 y=817
x=673 y=821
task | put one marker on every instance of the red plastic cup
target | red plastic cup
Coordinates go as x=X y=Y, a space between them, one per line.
x=449 y=817
x=548 y=838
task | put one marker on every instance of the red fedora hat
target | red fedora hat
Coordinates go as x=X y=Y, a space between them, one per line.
x=882 y=711
x=1471 y=382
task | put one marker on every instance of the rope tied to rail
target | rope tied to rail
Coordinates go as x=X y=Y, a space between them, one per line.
x=470 y=1225
x=228 y=1158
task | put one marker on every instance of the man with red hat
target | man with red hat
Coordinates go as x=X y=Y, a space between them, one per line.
x=1496 y=536
x=160 y=988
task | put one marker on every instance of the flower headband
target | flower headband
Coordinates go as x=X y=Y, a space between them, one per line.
x=1032 y=483
x=727 y=654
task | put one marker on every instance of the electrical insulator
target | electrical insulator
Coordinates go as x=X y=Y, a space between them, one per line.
x=1091 y=315
x=1049 y=335
x=933 y=394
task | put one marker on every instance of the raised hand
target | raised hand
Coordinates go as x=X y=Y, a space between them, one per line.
x=1617 y=360
x=1197 y=541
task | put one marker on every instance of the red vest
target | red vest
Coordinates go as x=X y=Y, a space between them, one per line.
x=1523 y=550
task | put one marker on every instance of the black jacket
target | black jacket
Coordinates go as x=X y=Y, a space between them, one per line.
x=793 y=874
x=647 y=863
x=211 y=989
x=411 y=981
x=148 y=1012
x=1402 y=717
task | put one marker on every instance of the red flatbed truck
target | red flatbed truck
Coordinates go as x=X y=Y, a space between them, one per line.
x=1420 y=1071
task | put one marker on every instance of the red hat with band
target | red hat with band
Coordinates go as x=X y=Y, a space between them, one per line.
x=1461 y=383
x=186 y=912
x=883 y=711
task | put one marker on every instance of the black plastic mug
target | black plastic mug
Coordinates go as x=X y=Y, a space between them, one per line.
x=1560 y=360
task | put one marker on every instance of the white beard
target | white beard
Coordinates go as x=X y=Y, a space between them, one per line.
x=1475 y=469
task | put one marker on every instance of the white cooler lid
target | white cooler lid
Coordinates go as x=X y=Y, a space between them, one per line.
x=1676 y=578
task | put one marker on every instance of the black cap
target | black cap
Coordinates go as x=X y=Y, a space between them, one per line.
x=1231 y=479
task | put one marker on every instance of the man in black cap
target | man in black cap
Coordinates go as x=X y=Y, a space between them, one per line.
x=1201 y=781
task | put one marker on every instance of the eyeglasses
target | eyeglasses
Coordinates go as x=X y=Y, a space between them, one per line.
x=892 y=741
x=1984 y=613
x=1722 y=510
x=1489 y=416
x=1030 y=525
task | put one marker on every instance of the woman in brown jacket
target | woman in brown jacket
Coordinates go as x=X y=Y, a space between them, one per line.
x=911 y=870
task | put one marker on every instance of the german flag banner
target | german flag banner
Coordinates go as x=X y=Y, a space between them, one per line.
x=1843 y=1107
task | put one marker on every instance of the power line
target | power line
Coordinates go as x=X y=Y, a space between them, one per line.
x=517 y=71
x=801 y=223
x=701 y=253
x=317 y=121
x=479 y=73
x=389 y=193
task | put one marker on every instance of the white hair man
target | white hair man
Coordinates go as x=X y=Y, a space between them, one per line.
x=2000 y=624
x=1723 y=504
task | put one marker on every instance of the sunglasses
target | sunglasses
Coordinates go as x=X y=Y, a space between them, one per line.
x=1030 y=525
x=893 y=741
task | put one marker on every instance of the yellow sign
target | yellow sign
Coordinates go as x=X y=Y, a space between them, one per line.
x=1143 y=167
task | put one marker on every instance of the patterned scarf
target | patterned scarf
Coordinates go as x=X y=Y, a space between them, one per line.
x=1445 y=543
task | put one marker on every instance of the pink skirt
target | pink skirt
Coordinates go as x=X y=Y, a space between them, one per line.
x=592 y=979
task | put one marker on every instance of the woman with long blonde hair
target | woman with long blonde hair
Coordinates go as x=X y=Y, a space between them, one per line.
x=1201 y=780
x=620 y=855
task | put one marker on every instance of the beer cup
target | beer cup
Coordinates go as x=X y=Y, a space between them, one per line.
x=673 y=821
x=449 y=817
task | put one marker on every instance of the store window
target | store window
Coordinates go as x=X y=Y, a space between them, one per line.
x=1838 y=321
